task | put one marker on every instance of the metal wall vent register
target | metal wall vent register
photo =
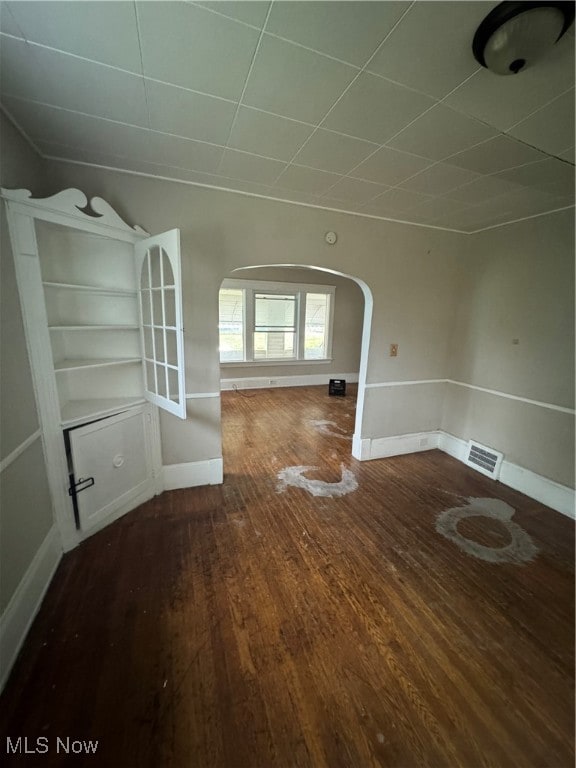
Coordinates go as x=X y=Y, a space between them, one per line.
x=484 y=459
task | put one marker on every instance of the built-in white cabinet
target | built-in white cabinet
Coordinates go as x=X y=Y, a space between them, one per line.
x=91 y=298
x=102 y=310
x=114 y=453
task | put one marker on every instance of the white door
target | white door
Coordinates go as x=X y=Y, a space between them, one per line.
x=115 y=453
x=159 y=280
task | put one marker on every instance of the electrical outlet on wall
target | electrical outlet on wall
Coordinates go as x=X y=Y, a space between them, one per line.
x=393 y=350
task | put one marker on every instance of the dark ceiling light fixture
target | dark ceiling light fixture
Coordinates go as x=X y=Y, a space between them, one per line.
x=515 y=35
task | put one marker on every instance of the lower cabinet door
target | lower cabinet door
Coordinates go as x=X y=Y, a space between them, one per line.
x=115 y=452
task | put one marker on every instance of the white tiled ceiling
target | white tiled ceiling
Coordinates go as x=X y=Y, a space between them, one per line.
x=371 y=107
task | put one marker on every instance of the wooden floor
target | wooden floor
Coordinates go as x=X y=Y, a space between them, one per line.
x=236 y=626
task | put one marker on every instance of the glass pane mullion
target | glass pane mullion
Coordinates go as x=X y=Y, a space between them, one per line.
x=300 y=341
x=159 y=259
x=152 y=334
x=162 y=294
x=249 y=325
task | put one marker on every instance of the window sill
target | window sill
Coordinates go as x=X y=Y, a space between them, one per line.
x=258 y=363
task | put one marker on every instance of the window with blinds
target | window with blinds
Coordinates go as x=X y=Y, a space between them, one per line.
x=274 y=326
x=316 y=326
x=275 y=322
x=231 y=325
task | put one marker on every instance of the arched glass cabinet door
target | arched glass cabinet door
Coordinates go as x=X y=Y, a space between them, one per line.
x=160 y=290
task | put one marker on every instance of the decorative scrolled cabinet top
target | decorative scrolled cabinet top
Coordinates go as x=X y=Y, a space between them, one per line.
x=73 y=202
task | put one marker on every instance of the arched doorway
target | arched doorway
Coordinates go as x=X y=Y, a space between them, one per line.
x=365 y=337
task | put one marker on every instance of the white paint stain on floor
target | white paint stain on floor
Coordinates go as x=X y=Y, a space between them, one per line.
x=294 y=476
x=521 y=548
x=328 y=428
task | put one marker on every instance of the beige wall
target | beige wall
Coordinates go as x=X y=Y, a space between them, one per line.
x=18 y=417
x=25 y=517
x=196 y=439
x=408 y=409
x=19 y=167
x=452 y=302
x=412 y=272
x=518 y=284
x=347 y=329
x=25 y=506
x=536 y=438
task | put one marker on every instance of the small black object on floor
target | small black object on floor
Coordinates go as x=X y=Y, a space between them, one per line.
x=337 y=387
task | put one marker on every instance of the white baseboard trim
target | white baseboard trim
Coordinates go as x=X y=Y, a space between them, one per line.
x=360 y=447
x=270 y=382
x=559 y=497
x=453 y=446
x=26 y=600
x=193 y=473
x=552 y=494
x=382 y=447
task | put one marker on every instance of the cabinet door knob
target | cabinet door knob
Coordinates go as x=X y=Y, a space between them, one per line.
x=118 y=460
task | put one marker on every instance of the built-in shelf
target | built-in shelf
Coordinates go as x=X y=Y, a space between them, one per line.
x=91 y=289
x=76 y=412
x=80 y=283
x=88 y=327
x=74 y=365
